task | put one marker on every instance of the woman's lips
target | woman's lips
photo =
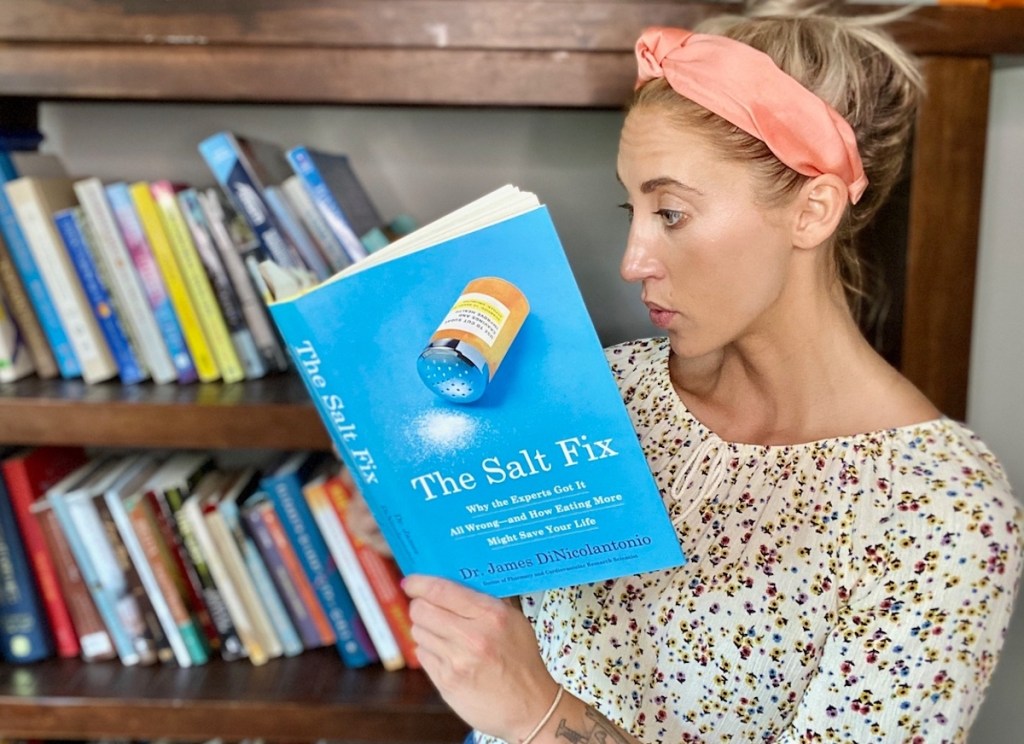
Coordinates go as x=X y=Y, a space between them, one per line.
x=659 y=315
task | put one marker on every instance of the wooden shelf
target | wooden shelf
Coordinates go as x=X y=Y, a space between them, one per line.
x=272 y=413
x=308 y=697
x=564 y=53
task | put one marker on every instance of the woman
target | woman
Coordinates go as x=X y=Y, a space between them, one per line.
x=853 y=553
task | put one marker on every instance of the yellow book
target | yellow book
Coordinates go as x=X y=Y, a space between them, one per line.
x=197 y=282
x=191 y=328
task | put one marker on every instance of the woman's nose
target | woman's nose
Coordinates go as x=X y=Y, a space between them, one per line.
x=638 y=261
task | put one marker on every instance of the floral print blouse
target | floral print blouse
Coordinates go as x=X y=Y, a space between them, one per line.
x=853 y=589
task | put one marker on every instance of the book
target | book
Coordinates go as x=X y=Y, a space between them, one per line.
x=244 y=167
x=241 y=483
x=211 y=317
x=24 y=634
x=126 y=500
x=13 y=165
x=27 y=474
x=15 y=359
x=238 y=251
x=35 y=201
x=283 y=483
x=510 y=478
x=302 y=204
x=310 y=622
x=94 y=640
x=382 y=573
x=184 y=308
x=151 y=280
x=18 y=306
x=253 y=364
x=79 y=240
x=168 y=490
x=124 y=281
x=341 y=199
x=71 y=502
x=356 y=581
x=295 y=231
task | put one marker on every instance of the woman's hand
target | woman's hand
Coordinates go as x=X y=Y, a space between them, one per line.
x=482 y=656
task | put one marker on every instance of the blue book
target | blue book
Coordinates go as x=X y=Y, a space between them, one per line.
x=25 y=263
x=283 y=485
x=341 y=199
x=75 y=232
x=463 y=383
x=24 y=633
x=239 y=165
x=152 y=281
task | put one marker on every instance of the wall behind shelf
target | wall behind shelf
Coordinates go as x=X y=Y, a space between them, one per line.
x=427 y=161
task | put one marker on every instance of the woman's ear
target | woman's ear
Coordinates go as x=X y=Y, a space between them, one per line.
x=819 y=209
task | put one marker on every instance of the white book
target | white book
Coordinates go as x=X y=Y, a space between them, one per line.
x=138 y=471
x=34 y=202
x=124 y=282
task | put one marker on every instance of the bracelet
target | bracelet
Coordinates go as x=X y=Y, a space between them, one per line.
x=547 y=717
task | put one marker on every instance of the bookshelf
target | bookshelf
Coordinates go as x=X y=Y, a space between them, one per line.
x=486 y=53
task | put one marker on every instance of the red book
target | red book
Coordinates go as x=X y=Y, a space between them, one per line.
x=28 y=473
x=381 y=571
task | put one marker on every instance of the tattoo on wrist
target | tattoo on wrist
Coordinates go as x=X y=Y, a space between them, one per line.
x=601 y=731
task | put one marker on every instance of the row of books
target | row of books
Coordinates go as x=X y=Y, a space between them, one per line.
x=159 y=280
x=151 y=557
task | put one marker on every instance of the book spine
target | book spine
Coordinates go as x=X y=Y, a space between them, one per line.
x=291 y=227
x=93 y=639
x=356 y=581
x=227 y=163
x=32 y=279
x=23 y=494
x=24 y=634
x=184 y=308
x=272 y=521
x=325 y=201
x=210 y=316
x=155 y=554
x=231 y=645
x=278 y=572
x=15 y=360
x=351 y=638
x=297 y=195
x=23 y=314
x=35 y=217
x=71 y=225
x=137 y=611
x=104 y=600
x=234 y=257
x=277 y=613
x=152 y=282
x=381 y=571
x=234 y=564
x=123 y=281
x=230 y=305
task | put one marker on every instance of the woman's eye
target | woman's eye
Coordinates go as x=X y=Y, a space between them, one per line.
x=670 y=217
x=629 y=210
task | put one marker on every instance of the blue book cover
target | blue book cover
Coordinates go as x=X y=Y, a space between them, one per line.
x=152 y=281
x=238 y=172
x=463 y=383
x=354 y=221
x=27 y=269
x=74 y=231
x=283 y=486
x=24 y=633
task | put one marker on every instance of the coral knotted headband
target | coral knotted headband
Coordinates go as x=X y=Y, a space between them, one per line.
x=746 y=88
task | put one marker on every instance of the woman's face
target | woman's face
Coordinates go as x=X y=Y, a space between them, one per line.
x=712 y=261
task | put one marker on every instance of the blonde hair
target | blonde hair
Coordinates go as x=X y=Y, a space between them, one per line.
x=851 y=63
